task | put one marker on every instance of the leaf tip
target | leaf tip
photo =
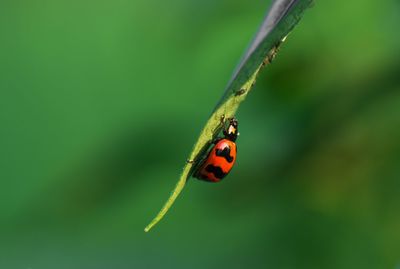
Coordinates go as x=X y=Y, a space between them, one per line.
x=151 y=224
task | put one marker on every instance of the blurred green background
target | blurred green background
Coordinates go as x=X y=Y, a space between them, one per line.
x=101 y=102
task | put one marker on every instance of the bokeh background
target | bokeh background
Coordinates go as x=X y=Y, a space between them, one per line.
x=101 y=102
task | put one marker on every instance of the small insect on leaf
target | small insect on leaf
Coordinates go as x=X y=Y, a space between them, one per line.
x=282 y=17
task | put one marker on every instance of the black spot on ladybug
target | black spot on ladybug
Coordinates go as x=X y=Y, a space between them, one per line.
x=216 y=170
x=226 y=153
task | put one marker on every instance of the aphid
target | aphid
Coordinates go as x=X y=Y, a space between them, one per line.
x=221 y=157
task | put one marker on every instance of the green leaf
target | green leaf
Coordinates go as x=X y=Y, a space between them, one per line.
x=281 y=18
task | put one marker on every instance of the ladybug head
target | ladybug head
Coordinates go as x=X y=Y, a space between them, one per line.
x=231 y=132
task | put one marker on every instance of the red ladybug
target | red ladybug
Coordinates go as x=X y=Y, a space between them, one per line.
x=221 y=157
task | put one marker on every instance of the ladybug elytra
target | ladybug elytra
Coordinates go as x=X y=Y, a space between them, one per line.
x=221 y=157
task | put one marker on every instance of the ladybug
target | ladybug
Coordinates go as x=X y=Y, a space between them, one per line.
x=221 y=157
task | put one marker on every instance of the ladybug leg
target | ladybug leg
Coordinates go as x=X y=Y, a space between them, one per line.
x=222 y=119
